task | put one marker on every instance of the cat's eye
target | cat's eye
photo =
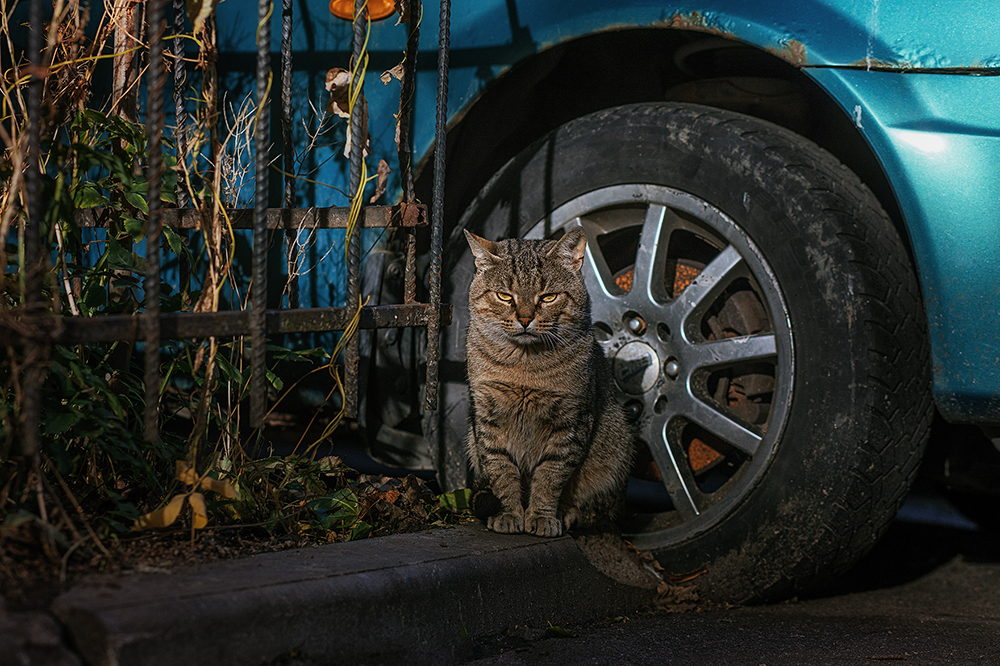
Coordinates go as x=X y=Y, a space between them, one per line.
x=548 y=298
x=507 y=298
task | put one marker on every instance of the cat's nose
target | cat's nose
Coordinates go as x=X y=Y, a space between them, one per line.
x=524 y=321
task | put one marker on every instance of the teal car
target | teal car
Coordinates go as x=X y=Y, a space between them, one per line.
x=791 y=210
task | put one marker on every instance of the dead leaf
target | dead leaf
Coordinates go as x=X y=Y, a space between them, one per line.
x=221 y=486
x=394 y=73
x=199 y=11
x=162 y=517
x=186 y=473
x=383 y=179
x=200 y=513
x=403 y=7
x=685 y=577
x=338 y=81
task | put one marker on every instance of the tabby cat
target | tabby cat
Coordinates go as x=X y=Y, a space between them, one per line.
x=548 y=442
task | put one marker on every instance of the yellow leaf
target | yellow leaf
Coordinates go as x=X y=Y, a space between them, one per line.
x=163 y=517
x=200 y=517
x=221 y=486
x=186 y=473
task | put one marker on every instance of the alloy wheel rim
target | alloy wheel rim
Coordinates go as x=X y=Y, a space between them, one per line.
x=663 y=269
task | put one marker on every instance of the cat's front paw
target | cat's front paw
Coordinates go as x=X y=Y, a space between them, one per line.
x=543 y=526
x=506 y=523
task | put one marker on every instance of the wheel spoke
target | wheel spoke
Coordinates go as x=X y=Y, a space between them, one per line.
x=669 y=459
x=730 y=350
x=651 y=255
x=720 y=425
x=604 y=293
x=711 y=280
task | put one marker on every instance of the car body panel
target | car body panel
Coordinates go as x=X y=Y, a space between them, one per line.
x=916 y=77
x=942 y=135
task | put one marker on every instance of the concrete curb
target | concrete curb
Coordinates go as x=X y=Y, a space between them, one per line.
x=419 y=598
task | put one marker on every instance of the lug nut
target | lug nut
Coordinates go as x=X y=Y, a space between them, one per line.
x=672 y=369
x=636 y=325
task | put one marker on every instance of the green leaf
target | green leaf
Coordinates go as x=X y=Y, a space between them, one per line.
x=283 y=354
x=359 y=531
x=88 y=196
x=61 y=423
x=121 y=259
x=137 y=200
x=135 y=228
x=457 y=500
x=175 y=243
x=95 y=296
x=231 y=372
x=274 y=380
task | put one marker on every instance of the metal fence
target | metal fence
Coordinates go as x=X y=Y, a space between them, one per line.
x=38 y=328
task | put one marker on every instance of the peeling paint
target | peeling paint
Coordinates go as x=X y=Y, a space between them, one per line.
x=698 y=22
x=792 y=51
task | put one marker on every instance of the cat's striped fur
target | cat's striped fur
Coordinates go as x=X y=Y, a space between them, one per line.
x=546 y=436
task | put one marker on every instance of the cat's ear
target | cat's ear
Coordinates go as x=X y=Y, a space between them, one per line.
x=482 y=249
x=571 y=248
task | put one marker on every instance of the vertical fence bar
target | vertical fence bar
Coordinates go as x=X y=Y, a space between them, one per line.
x=258 y=290
x=154 y=150
x=437 y=209
x=351 y=352
x=32 y=268
x=405 y=152
x=180 y=137
x=180 y=107
x=291 y=236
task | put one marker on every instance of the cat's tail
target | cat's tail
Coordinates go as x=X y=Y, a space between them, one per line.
x=484 y=502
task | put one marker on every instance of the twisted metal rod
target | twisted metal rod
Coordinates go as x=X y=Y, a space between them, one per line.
x=154 y=178
x=352 y=351
x=437 y=208
x=258 y=290
x=291 y=236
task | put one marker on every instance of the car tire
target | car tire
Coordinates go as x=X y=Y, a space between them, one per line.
x=775 y=465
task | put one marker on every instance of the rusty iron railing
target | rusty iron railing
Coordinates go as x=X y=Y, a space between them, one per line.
x=152 y=326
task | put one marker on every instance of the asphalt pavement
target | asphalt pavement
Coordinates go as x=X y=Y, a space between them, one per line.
x=928 y=594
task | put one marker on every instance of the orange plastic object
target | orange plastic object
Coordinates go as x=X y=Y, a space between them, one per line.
x=377 y=9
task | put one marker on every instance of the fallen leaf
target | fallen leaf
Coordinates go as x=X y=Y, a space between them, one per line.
x=162 y=517
x=558 y=632
x=383 y=179
x=200 y=517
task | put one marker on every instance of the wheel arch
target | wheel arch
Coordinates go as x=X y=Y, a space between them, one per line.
x=611 y=68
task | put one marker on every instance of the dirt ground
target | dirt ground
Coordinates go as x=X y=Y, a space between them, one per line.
x=32 y=573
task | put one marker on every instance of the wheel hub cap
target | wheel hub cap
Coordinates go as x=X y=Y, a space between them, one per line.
x=636 y=367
